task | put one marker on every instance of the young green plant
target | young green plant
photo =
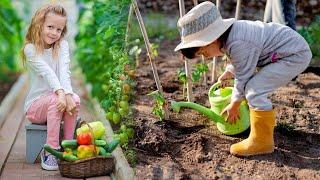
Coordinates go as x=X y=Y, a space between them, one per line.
x=158 y=108
x=182 y=77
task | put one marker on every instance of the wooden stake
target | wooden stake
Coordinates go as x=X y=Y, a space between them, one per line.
x=214 y=75
x=205 y=73
x=186 y=63
x=195 y=2
x=238 y=9
x=150 y=55
x=148 y=46
x=218 y=3
x=126 y=39
x=182 y=9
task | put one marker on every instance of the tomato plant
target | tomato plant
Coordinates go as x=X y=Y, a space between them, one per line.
x=104 y=59
x=158 y=108
x=200 y=69
x=10 y=38
x=312 y=35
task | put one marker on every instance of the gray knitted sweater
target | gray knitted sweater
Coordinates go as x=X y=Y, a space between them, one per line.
x=252 y=44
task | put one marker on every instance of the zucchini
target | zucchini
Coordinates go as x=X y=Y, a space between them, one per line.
x=69 y=157
x=75 y=152
x=107 y=155
x=99 y=142
x=102 y=151
x=112 y=145
x=69 y=144
x=54 y=152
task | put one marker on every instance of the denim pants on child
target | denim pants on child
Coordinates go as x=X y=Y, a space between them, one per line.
x=44 y=110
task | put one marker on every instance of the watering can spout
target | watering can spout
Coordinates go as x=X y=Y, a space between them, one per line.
x=201 y=109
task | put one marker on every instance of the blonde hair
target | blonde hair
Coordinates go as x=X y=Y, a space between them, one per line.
x=34 y=35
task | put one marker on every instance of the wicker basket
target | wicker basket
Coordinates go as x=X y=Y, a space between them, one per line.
x=90 y=167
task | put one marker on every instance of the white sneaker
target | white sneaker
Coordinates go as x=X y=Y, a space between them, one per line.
x=48 y=162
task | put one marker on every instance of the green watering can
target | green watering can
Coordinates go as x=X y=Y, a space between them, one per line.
x=219 y=98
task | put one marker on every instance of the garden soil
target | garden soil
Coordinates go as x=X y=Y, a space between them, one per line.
x=189 y=146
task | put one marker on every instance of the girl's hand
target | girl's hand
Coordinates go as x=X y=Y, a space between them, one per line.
x=232 y=111
x=61 y=101
x=71 y=105
x=223 y=79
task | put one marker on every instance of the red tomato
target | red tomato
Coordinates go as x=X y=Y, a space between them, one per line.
x=84 y=138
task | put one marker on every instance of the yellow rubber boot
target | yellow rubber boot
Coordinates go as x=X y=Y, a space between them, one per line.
x=260 y=140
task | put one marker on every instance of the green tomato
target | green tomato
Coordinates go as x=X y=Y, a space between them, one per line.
x=116 y=118
x=124 y=105
x=123 y=138
x=109 y=116
x=123 y=128
x=122 y=112
x=112 y=109
x=130 y=132
x=105 y=87
x=125 y=98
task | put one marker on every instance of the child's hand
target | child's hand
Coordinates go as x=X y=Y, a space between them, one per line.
x=71 y=105
x=61 y=101
x=232 y=111
x=223 y=79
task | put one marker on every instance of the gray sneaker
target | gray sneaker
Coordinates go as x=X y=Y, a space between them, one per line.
x=48 y=162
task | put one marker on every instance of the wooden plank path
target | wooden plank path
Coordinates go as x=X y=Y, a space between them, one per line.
x=15 y=166
x=12 y=118
x=13 y=134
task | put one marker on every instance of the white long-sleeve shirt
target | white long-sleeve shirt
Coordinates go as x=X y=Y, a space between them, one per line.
x=47 y=75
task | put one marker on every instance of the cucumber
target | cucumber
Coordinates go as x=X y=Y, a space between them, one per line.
x=102 y=151
x=75 y=152
x=99 y=142
x=107 y=155
x=69 y=157
x=69 y=143
x=54 y=152
x=112 y=145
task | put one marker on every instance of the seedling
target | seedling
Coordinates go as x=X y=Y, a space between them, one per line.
x=200 y=69
x=158 y=108
x=181 y=74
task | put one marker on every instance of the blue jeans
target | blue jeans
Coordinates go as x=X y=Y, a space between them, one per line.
x=289 y=12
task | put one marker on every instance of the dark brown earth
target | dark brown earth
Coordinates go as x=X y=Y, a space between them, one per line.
x=189 y=146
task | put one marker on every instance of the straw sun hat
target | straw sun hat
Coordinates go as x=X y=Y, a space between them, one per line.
x=201 y=26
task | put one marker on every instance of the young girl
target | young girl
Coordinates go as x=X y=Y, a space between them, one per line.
x=50 y=99
x=278 y=51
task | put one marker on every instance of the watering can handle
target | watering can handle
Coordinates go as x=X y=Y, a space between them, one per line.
x=216 y=86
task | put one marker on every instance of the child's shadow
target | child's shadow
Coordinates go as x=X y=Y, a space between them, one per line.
x=294 y=149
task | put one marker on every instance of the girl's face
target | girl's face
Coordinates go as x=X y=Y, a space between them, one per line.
x=210 y=50
x=52 y=28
